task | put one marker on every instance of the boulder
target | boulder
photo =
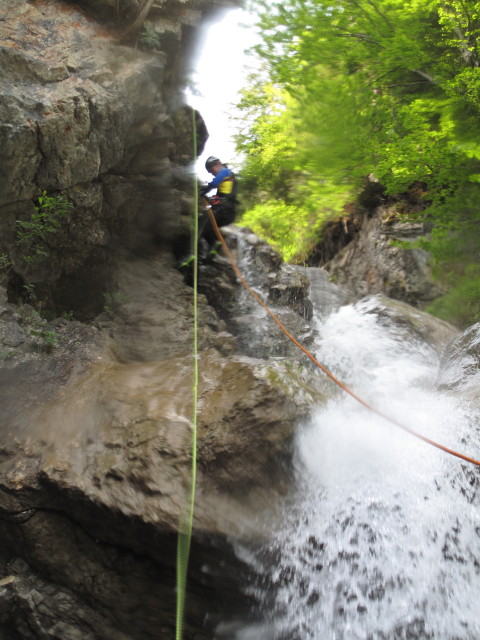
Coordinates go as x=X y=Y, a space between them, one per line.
x=96 y=480
x=410 y=322
x=373 y=261
x=326 y=297
x=460 y=366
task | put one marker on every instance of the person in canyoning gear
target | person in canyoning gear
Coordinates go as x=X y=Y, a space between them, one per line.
x=223 y=202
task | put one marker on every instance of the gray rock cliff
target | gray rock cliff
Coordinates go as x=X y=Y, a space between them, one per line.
x=89 y=112
x=366 y=252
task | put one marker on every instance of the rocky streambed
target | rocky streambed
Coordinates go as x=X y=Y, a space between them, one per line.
x=96 y=445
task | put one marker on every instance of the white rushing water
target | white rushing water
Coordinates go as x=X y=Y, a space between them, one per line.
x=381 y=539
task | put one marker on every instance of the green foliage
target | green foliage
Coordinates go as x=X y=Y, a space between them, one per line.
x=384 y=87
x=30 y=293
x=5 y=266
x=455 y=236
x=113 y=302
x=5 y=262
x=48 y=338
x=48 y=217
x=273 y=221
x=45 y=339
x=461 y=305
x=149 y=37
x=286 y=203
x=269 y=141
x=294 y=227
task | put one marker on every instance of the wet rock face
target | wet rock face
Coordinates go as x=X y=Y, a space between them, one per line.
x=282 y=287
x=369 y=263
x=414 y=325
x=460 y=367
x=86 y=114
x=95 y=461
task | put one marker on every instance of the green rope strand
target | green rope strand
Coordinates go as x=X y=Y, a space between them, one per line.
x=186 y=519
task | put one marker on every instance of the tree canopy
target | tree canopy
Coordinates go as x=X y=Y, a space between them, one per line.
x=352 y=88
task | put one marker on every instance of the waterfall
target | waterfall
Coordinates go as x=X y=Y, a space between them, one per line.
x=380 y=537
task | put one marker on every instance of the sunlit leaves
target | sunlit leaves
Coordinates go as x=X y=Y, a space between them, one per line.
x=389 y=87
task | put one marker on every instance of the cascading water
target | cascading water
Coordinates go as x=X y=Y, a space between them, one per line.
x=380 y=538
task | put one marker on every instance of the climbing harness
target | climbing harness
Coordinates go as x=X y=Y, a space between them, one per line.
x=214 y=200
x=319 y=365
x=185 y=525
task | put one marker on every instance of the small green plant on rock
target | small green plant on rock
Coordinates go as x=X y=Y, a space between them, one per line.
x=50 y=211
x=30 y=293
x=5 y=266
x=47 y=337
x=113 y=302
x=149 y=37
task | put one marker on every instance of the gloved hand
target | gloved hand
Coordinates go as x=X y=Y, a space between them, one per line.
x=204 y=190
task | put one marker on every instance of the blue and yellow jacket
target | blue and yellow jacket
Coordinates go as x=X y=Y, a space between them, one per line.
x=225 y=184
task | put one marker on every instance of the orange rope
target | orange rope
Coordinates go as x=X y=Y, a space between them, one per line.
x=319 y=365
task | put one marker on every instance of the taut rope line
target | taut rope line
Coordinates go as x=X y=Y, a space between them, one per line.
x=185 y=524
x=321 y=366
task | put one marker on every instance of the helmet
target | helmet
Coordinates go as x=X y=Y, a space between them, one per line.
x=210 y=162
